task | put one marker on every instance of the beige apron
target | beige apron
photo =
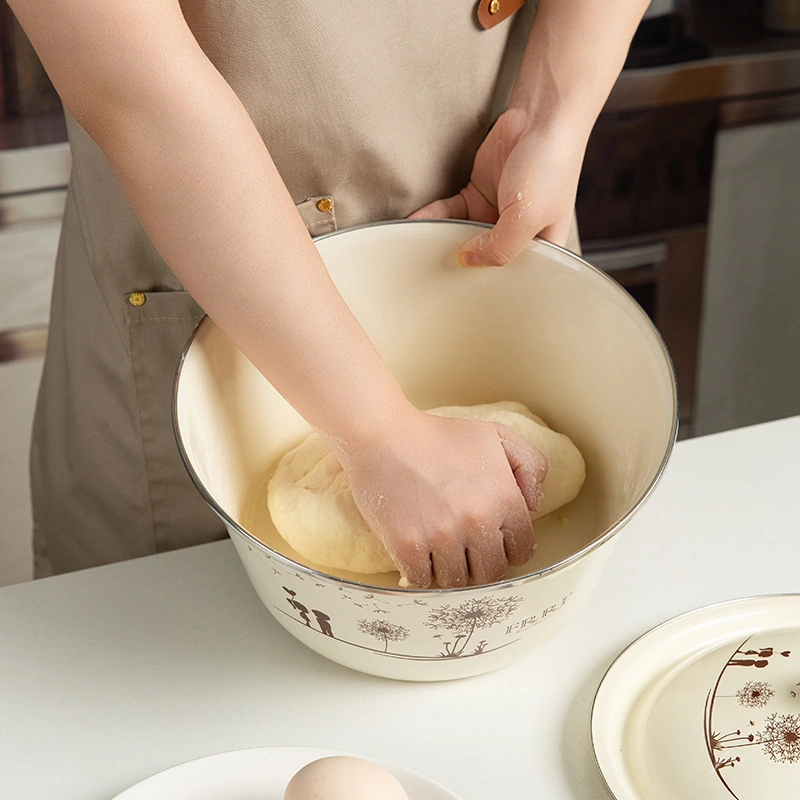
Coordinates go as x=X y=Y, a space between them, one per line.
x=373 y=108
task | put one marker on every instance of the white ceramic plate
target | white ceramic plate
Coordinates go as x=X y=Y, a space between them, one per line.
x=706 y=705
x=260 y=773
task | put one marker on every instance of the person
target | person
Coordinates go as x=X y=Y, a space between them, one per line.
x=210 y=141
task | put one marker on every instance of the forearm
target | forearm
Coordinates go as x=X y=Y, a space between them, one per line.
x=217 y=210
x=203 y=185
x=574 y=55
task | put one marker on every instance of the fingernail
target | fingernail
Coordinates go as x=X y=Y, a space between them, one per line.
x=468 y=259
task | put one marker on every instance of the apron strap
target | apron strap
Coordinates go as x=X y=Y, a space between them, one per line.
x=491 y=12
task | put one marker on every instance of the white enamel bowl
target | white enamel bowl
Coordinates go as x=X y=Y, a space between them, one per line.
x=549 y=331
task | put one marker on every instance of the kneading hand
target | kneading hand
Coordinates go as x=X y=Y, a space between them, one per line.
x=450 y=499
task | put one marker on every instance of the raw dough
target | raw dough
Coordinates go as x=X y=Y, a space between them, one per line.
x=313 y=510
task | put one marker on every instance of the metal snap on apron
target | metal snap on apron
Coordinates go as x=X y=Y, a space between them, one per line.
x=369 y=111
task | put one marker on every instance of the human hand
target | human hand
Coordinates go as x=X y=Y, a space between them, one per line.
x=524 y=179
x=450 y=499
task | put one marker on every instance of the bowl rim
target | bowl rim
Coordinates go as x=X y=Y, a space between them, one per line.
x=595 y=544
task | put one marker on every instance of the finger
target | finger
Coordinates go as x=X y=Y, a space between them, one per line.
x=454 y=207
x=479 y=208
x=413 y=564
x=487 y=564
x=518 y=537
x=528 y=463
x=470 y=203
x=450 y=567
x=557 y=233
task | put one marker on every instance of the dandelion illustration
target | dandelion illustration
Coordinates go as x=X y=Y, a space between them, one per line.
x=724 y=741
x=780 y=738
x=465 y=619
x=726 y=762
x=384 y=630
x=755 y=694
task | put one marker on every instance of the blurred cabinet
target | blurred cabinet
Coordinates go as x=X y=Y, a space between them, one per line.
x=663 y=272
x=25 y=89
x=749 y=357
x=689 y=197
x=642 y=206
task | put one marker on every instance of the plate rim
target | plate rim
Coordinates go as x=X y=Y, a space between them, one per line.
x=761 y=604
x=399 y=771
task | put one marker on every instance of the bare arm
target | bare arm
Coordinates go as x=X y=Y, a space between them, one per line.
x=574 y=56
x=199 y=178
x=205 y=189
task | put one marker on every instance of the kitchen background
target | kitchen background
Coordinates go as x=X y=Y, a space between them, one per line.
x=690 y=198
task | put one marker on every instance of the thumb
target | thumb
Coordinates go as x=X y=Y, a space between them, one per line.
x=512 y=233
x=528 y=463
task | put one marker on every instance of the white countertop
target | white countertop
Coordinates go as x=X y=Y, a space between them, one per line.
x=112 y=674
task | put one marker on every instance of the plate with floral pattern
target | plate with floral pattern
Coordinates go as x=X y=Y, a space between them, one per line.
x=705 y=705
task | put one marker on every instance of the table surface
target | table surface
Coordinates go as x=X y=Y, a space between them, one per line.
x=112 y=674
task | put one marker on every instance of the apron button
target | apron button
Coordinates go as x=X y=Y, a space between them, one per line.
x=137 y=298
x=325 y=205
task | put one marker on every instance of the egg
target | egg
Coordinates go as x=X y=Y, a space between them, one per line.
x=344 y=778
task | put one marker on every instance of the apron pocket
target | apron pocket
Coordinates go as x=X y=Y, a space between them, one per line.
x=318 y=214
x=159 y=325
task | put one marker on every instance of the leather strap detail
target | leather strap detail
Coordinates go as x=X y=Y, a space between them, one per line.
x=491 y=12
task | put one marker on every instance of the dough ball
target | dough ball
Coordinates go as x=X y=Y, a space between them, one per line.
x=344 y=778
x=312 y=508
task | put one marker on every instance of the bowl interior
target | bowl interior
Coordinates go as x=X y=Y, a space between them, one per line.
x=548 y=330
